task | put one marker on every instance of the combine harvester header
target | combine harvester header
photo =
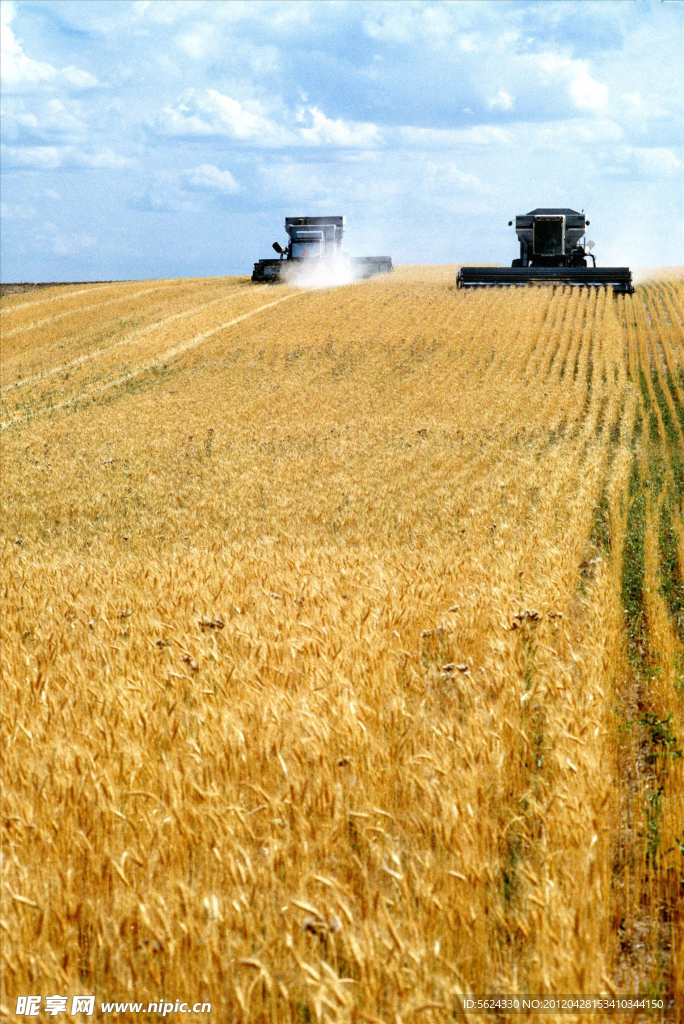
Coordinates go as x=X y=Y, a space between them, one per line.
x=551 y=252
x=314 y=239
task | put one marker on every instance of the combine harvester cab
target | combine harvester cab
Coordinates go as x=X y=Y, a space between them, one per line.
x=551 y=252
x=313 y=239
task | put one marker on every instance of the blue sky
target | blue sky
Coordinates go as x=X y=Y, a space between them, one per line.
x=164 y=138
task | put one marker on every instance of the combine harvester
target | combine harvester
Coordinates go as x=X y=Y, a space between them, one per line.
x=315 y=244
x=550 y=253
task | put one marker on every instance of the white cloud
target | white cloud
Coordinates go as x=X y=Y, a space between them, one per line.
x=102 y=158
x=22 y=73
x=262 y=109
x=649 y=162
x=633 y=101
x=502 y=101
x=478 y=135
x=53 y=157
x=160 y=200
x=209 y=112
x=208 y=178
x=294 y=182
x=324 y=131
x=48 y=117
x=573 y=134
x=199 y=42
x=404 y=23
x=65 y=244
x=14 y=211
x=164 y=12
x=443 y=179
x=40 y=157
x=469 y=44
x=585 y=92
x=180 y=191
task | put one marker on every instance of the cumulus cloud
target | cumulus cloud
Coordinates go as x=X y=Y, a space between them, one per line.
x=164 y=198
x=444 y=181
x=160 y=200
x=44 y=119
x=184 y=191
x=14 y=211
x=325 y=131
x=207 y=178
x=404 y=23
x=64 y=243
x=209 y=112
x=645 y=162
x=262 y=109
x=431 y=138
x=22 y=73
x=394 y=183
x=199 y=42
x=293 y=181
x=164 y=12
x=585 y=92
x=502 y=101
x=633 y=102
x=54 y=157
x=572 y=134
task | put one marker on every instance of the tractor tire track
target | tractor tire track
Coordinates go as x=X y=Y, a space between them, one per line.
x=82 y=309
x=54 y=298
x=134 y=336
x=170 y=354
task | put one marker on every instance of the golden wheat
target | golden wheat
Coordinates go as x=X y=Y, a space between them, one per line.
x=343 y=645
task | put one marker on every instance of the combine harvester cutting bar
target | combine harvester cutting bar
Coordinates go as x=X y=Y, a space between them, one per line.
x=550 y=254
x=316 y=242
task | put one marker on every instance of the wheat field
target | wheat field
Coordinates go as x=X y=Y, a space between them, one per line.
x=342 y=645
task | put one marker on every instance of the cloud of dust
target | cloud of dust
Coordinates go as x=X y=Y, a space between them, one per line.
x=323 y=273
x=642 y=275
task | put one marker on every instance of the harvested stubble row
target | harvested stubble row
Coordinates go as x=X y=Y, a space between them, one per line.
x=342 y=645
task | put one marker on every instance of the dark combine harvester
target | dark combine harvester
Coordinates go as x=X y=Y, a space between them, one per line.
x=550 y=253
x=314 y=239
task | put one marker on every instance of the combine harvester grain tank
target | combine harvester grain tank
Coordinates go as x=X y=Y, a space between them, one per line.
x=551 y=253
x=316 y=239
